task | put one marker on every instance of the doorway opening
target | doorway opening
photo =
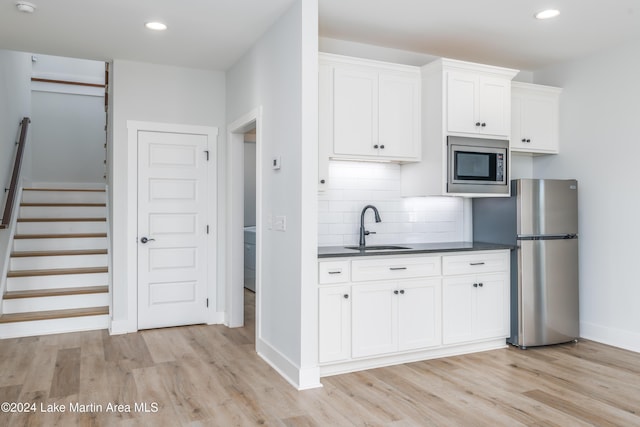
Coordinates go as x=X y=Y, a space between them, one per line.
x=244 y=231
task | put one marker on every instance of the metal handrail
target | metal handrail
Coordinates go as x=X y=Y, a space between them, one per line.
x=15 y=176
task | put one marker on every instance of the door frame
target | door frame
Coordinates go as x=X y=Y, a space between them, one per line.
x=234 y=292
x=131 y=200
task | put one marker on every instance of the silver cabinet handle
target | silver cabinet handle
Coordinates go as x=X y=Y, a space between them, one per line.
x=397 y=268
x=476 y=263
x=335 y=272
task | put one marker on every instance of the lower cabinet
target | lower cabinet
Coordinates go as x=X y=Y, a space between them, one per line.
x=475 y=307
x=391 y=317
x=368 y=319
x=334 y=331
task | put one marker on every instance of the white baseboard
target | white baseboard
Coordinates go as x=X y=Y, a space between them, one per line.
x=119 y=327
x=216 y=318
x=301 y=379
x=409 y=357
x=627 y=340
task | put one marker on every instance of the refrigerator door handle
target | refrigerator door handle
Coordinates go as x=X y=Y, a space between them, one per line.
x=547 y=237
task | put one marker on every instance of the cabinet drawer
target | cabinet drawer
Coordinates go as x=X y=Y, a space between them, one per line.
x=475 y=263
x=399 y=268
x=333 y=272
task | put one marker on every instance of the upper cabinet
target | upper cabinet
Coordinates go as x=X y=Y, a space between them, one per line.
x=369 y=110
x=458 y=99
x=478 y=104
x=534 y=118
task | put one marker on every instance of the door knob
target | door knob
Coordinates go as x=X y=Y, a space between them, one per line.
x=144 y=240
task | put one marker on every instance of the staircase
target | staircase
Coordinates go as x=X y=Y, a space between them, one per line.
x=58 y=274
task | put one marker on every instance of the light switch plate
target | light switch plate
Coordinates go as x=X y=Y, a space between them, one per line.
x=280 y=223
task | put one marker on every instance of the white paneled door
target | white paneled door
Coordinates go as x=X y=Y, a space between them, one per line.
x=172 y=229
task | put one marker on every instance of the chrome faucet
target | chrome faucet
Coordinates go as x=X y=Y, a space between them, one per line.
x=364 y=232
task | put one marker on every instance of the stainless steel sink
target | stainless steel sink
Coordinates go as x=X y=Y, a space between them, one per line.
x=377 y=248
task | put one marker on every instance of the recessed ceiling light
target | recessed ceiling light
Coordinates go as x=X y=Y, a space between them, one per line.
x=26 y=7
x=548 y=13
x=158 y=26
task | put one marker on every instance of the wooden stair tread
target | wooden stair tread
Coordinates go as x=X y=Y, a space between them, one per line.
x=53 y=314
x=63 y=205
x=56 y=271
x=38 y=293
x=24 y=254
x=102 y=190
x=62 y=219
x=59 y=236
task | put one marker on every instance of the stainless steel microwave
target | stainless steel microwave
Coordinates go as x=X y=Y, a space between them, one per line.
x=477 y=165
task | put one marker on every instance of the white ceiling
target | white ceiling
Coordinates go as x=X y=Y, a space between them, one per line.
x=207 y=34
x=213 y=34
x=497 y=32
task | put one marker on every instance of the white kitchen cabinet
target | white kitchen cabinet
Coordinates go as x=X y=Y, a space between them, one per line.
x=478 y=104
x=458 y=99
x=535 y=111
x=368 y=110
x=383 y=310
x=475 y=297
x=334 y=333
x=419 y=314
x=355 y=115
x=392 y=317
x=473 y=308
x=375 y=319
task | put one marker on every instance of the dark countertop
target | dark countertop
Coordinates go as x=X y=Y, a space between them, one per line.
x=412 y=248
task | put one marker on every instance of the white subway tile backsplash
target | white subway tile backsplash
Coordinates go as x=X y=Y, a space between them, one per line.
x=353 y=185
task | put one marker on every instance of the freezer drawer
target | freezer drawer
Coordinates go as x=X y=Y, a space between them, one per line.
x=547 y=206
x=547 y=292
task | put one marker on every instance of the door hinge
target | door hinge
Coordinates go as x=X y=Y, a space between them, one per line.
x=207 y=229
x=207 y=153
x=207 y=302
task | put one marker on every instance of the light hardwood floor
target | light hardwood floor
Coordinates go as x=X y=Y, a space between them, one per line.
x=211 y=376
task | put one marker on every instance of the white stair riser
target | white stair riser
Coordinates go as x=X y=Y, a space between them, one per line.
x=60 y=261
x=63 y=212
x=61 y=244
x=73 y=227
x=25 y=305
x=54 y=282
x=54 y=326
x=64 y=196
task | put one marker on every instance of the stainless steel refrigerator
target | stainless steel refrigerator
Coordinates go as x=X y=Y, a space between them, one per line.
x=540 y=220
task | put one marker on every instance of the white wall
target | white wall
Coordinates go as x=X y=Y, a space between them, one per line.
x=279 y=73
x=353 y=185
x=68 y=138
x=68 y=122
x=15 y=103
x=600 y=109
x=378 y=53
x=63 y=68
x=152 y=93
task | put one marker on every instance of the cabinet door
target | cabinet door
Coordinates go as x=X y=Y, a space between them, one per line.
x=399 y=116
x=325 y=121
x=375 y=314
x=334 y=323
x=458 y=303
x=491 y=317
x=462 y=102
x=534 y=123
x=495 y=106
x=419 y=315
x=355 y=115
